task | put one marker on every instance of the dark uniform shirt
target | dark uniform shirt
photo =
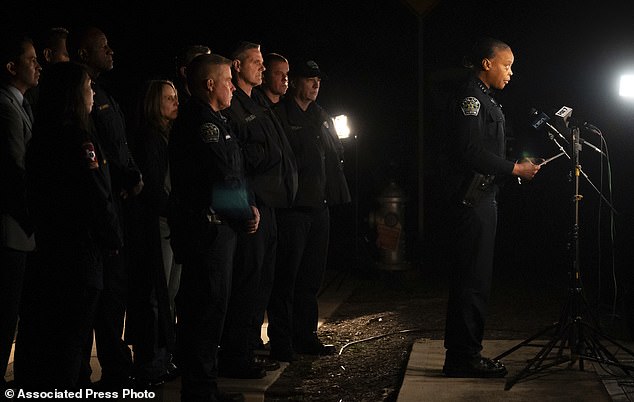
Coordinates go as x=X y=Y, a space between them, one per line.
x=476 y=142
x=260 y=97
x=206 y=164
x=319 y=154
x=111 y=132
x=270 y=164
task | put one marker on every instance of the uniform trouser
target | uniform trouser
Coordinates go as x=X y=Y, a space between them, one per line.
x=113 y=353
x=300 y=265
x=202 y=305
x=267 y=274
x=254 y=255
x=13 y=264
x=470 y=277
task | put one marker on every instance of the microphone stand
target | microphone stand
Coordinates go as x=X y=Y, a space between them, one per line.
x=571 y=340
x=582 y=141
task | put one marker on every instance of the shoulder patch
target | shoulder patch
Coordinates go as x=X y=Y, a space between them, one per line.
x=470 y=106
x=90 y=156
x=209 y=132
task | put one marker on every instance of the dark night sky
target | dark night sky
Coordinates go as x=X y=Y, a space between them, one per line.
x=566 y=54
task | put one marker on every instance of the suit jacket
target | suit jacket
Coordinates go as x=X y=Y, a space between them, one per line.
x=15 y=132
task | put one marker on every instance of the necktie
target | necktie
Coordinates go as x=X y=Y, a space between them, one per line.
x=27 y=107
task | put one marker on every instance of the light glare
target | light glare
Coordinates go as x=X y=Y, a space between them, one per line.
x=626 y=86
x=341 y=126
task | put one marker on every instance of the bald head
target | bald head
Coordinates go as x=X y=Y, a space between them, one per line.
x=89 y=46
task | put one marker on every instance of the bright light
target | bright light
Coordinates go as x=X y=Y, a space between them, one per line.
x=626 y=86
x=341 y=126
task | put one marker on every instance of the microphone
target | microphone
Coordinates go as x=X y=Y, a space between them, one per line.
x=584 y=142
x=587 y=127
x=540 y=119
x=592 y=128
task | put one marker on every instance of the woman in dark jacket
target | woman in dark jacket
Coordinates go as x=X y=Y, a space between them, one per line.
x=154 y=277
x=70 y=199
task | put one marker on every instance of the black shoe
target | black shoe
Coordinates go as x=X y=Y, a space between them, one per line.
x=251 y=372
x=147 y=384
x=315 y=348
x=173 y=372
x=266 y=363
x=479 y=367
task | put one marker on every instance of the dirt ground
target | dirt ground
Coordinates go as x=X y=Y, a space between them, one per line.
x=376 y=326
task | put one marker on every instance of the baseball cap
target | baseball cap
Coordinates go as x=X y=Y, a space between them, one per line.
x=306 y=68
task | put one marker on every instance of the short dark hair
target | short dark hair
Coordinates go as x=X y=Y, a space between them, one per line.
x=80 y=38
x=51 y=36
x=12 y=46
x=240 y=51
x=271 y=58
x=483 y=48
x=199 y=67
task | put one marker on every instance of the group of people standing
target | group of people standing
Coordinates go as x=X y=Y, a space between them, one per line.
x=215 y=213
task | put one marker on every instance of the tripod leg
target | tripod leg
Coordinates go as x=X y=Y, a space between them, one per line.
x=526 y=342
x=536 y=364
x=600 y=352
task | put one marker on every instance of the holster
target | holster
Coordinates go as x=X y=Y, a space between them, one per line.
x=476 y=188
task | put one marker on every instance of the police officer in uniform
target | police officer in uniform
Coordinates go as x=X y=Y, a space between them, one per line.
x=272 y=174
x=304 y=229
x=211 y=204
x=89 y=46
x=473 y=165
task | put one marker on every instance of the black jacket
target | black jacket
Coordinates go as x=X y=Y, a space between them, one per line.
x=319 y=154
x=206 y=165
x=146 y=273
x=111 y=133
x=270 y=163
x=71 y=201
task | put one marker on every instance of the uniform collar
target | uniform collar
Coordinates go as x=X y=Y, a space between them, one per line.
x=247 y=102
x=487 y=91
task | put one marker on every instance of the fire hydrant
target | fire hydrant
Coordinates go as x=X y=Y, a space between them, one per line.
x=389 y=221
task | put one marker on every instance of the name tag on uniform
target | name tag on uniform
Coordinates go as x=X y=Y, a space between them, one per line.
x=249 y=118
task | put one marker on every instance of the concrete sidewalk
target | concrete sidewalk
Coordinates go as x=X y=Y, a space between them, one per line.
x=424 y=380
x=335 y=290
